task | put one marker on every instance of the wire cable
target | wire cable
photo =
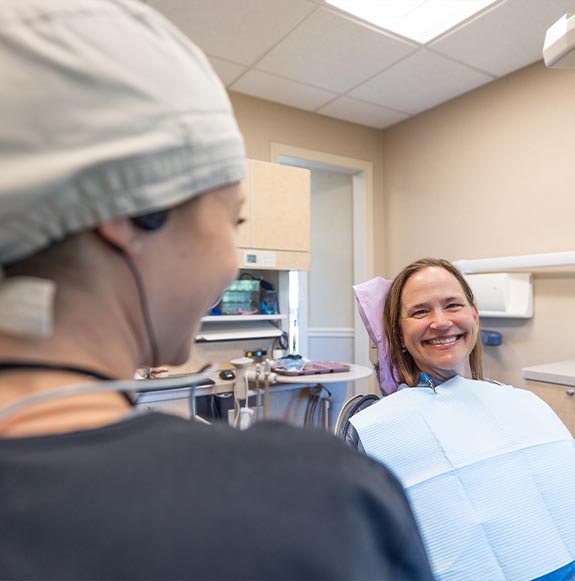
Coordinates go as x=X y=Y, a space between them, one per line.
x=27 y=365
x=144 y=305
x=192 y=381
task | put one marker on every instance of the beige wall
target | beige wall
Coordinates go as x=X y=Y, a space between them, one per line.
x=487 y=174
x=263 y=122
x=491 y=174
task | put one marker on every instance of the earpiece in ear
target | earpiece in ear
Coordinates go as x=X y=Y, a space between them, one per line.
x=151 y=221
x=136 y=243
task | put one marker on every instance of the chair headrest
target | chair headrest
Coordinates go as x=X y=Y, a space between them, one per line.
x=370 y=297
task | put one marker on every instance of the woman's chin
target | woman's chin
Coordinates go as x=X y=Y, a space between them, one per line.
x=448 y=371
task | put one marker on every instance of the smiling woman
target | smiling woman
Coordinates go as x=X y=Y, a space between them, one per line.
x=475 y=458
x=431 y=323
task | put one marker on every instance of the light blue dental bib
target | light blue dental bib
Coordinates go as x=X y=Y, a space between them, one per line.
x=490 y=474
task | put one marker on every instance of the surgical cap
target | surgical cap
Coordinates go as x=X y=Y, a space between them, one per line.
x=107 y=111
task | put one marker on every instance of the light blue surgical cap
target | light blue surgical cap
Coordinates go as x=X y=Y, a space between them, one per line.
x=107 y=111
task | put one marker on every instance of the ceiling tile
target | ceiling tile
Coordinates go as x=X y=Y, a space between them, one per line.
x=326 y=53
x=236 y=30
x=226 y=70
x=331 y=51
x=419 y=82
x=506 y=38
x=280 y=90
x=363 y=113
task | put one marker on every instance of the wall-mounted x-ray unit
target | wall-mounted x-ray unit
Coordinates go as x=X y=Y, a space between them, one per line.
x=503 y=295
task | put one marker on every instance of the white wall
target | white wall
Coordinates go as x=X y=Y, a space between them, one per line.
x=330 y=299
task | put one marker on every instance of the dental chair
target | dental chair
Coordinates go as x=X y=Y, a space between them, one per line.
x=471 y=489
x=343 y=428
x=370 y=298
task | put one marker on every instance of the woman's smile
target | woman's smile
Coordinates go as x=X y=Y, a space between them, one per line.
x=446 y=341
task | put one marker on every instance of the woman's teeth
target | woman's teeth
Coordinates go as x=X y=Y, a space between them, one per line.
x=443 y=340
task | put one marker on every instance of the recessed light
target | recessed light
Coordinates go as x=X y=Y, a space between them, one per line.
x=419 y=20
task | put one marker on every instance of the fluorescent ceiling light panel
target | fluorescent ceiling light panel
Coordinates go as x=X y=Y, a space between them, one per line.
x=419 y=20
x=382 y=13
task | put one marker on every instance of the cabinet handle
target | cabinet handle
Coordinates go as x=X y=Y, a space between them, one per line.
x=569 y=392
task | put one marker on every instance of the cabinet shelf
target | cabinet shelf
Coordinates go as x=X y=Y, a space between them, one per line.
x=240 y=318
x=238 y=327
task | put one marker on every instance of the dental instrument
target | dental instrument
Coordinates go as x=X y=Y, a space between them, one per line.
x=267 y=372
x=242 y=414
x=258 y=371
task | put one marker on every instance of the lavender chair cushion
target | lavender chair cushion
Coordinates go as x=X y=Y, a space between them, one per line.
x=370 y=297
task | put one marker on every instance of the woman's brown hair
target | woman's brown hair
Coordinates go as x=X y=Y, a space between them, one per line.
x=401 y=362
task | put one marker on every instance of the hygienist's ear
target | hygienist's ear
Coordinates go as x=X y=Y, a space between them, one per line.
x=122 y=233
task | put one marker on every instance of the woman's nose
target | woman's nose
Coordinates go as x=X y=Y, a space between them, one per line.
x=440 y=320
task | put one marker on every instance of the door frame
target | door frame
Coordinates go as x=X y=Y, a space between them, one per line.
x=363 y=239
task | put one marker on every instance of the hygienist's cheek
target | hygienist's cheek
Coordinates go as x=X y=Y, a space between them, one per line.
x=229 y=265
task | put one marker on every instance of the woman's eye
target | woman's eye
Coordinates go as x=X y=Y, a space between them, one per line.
x=240 y=221
x=419 y=313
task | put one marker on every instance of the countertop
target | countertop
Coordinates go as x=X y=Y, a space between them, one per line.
x=282 y=382
x=561 y=372
x=355 y=373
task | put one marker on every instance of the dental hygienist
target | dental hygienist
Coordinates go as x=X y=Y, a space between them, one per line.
x=489 y=469
x=119 y=201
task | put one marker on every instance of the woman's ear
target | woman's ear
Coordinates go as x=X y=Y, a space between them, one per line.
x=121 y=233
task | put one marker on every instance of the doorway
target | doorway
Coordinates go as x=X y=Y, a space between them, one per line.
x=325 y=319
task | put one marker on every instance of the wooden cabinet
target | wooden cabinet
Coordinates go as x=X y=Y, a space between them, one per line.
x=277 y=209
x=561 y=399
x=244 y=230
x=554 y=383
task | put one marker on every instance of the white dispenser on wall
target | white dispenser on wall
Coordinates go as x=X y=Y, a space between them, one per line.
x=503 y=295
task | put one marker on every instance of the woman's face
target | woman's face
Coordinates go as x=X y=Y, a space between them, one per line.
x=439 y=326
x=196 y=261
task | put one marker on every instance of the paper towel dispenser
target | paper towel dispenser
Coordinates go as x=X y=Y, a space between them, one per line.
x=506 y=295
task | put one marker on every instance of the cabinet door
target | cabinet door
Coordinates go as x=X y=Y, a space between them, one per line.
x=560 y=398
x=243 y=235
x=280 y=207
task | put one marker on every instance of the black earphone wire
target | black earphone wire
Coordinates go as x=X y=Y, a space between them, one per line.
x=181 y=381
x=144 y=306
x=27 y=365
